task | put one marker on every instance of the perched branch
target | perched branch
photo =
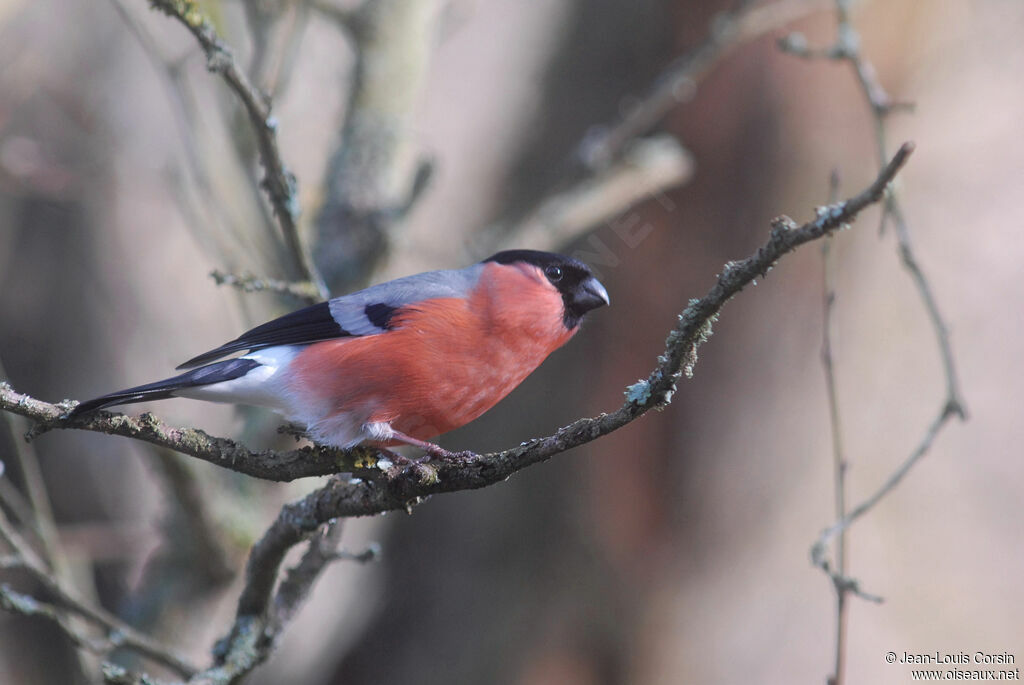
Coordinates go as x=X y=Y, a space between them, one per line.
x=404 y=485
x=267 y=464
x=278 y=181
x=392 y=487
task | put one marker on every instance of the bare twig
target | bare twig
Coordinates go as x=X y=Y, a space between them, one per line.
x=26 y=605
x=42 y=520
x=117 y=634
x=206 y=551
x=204 y=212
x=647 y=168
x=677 y=83
x=404 y=485
x=278 y=181
x=298 y=582
x=838 y=456
x=240 y=651
x=847 y=48
x=303 y=290
x=947 y=412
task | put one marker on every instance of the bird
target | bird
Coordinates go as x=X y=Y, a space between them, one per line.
x=400 y=362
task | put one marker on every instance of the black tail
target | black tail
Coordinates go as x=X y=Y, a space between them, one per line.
x=160 y=390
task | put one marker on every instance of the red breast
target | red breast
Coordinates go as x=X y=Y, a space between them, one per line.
x=445 y=361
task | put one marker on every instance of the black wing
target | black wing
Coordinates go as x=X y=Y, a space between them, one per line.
x=308 y=325
x=366 y=312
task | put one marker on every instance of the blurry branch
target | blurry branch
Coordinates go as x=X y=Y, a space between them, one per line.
x=303 y=290
x=678 y=82
x=267 y=464
x=185 y=116
x=838 y=456
x=278 y=182
x=619 y=166
x=115 y=633
x=647 y=168
x=820 y=546
x=208 y=558
x=372 y=182
x=262 y=614
x=393 y=487
x=118 y=675
x=847 y=48
x=277 y=82
x=343 y=17
x=40 y=518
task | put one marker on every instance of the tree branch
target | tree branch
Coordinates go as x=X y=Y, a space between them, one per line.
x=117 y=634
x=248 y=283
x=386 y=486
x=648 y=167
x=847 y=48
x=278 y=182
x=677 y=83
x=404 y=484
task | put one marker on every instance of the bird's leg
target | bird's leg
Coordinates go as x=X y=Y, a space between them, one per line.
x=432 y=450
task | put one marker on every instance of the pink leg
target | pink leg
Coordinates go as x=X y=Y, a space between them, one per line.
x=428 y=447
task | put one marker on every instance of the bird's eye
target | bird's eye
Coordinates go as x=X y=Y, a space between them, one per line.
x=554 y=273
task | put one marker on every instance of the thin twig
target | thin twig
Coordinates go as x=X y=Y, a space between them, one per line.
x=253 y=635
x=818 y=550
x=42 y=521
x=205 y=544
x=298 y=581
x=647 y=168
x=27 y=605
x=117 y=634
x=279 y=182
x=847 y=48
x=184 y=112
x=302 y=290
x=677 y=83
x=838 y=456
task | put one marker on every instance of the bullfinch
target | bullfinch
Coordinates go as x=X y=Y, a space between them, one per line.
x=399 y=362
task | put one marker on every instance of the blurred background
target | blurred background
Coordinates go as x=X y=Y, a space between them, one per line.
x=673 y=551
